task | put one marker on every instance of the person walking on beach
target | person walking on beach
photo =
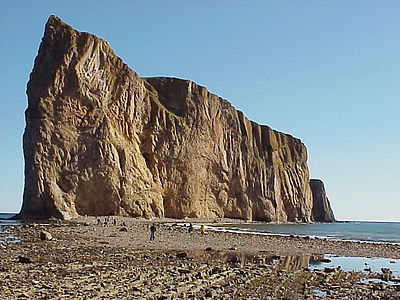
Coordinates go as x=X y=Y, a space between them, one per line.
x=190 y=229
x=153 y=230
x=202 y=229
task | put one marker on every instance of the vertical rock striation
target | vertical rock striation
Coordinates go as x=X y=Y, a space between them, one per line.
x=100 y=140
x=322 y=211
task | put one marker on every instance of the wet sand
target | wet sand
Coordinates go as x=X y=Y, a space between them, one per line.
x=86 y=260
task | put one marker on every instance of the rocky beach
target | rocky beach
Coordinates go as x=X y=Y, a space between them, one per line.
x=87 y=259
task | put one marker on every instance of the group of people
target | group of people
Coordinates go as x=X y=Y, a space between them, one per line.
x=107 y=221
x=153 y=229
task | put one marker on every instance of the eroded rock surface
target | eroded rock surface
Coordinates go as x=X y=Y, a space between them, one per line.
x=100 y=140
x=322 y=211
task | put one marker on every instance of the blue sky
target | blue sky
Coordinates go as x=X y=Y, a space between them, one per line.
x=327 y=72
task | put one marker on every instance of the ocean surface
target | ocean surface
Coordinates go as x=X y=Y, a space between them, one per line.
x=385 y=232
x=4 y=216
x=5 y=236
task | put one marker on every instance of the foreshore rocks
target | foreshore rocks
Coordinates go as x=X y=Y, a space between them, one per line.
x=100 y=140
x=87 y=260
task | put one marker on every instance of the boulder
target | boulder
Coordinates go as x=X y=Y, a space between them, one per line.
x=25 y=260
x=45 y=236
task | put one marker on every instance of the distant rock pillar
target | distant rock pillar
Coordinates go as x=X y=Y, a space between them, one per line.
x=322 y=211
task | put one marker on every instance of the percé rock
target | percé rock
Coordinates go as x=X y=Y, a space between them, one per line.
x=322 y=211
x=100 y=140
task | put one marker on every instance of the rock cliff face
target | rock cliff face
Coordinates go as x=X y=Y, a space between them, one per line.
x=322 y=211
x=100 y=140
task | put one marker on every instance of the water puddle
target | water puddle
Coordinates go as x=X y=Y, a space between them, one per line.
x=9 y=239
x=365 y=265
x=319 y=293
x=377 y=269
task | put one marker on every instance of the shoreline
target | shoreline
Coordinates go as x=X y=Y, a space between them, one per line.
x=252 y=243
x=310 y=244
x=215 y=224
x=287 y=235
x=117 y=260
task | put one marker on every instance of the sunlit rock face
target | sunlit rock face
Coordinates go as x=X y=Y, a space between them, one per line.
x=100 y=140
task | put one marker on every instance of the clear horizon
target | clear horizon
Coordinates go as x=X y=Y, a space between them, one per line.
x=325 y=72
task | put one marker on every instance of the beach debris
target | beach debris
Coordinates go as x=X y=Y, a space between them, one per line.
x=184 y=271
x=386 y=274
x=181 y=255
x=123 y=229
x=25 y=260
x=329 y=270
x=234 y=259
x=45 y=236
x=216 y=270
x=367 y=270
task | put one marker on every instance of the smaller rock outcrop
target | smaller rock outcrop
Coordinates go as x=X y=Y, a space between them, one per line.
x=322 y=211
x=45 y=236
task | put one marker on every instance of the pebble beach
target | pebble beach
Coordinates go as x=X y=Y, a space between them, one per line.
x=88 y=258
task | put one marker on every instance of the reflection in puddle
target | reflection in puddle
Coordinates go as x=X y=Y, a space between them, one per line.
x=319 y=293
x=287 y=263
x=376 y=269
x=5 y=231
x=291 y=263
x=9 y=238
x=226 y=257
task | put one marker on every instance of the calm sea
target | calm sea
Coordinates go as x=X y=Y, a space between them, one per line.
x=5 y=235
x=4 y=221
x=388 y=232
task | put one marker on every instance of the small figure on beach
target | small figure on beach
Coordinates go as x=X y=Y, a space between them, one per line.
x=190 y=229
x=202 y=229
x=153 y=230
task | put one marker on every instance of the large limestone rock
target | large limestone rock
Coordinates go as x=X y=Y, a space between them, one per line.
x=100 y=140
x=322 y=211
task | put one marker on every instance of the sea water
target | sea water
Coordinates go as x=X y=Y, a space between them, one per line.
x=378 y=232
x=5 y=235
x=385 y=232
x=4 y=219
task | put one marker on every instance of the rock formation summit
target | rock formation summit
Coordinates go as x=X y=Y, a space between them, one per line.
x=100 y=140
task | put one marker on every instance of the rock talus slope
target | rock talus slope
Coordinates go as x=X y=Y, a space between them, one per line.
x=101 y=140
